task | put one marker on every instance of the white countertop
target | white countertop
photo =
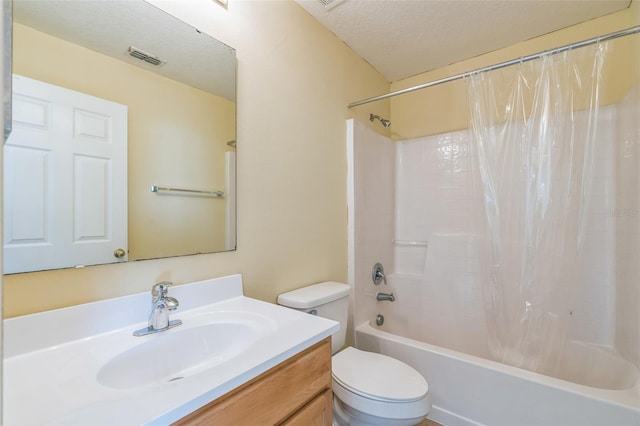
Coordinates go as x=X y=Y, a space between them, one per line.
x=52 y=358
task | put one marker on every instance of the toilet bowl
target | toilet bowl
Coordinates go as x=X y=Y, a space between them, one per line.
x=374 y=389
x=368 y=388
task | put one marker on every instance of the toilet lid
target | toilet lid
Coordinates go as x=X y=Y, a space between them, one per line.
x=377 y=376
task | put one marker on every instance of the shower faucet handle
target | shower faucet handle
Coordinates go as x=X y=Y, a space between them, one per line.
x=377 y=275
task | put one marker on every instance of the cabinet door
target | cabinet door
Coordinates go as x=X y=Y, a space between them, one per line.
x=274 y=396
x=319 y=412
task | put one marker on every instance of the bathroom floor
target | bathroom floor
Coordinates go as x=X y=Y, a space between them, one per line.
x=427 y=422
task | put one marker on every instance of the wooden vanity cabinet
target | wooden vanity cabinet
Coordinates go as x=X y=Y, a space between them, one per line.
x=294 y=393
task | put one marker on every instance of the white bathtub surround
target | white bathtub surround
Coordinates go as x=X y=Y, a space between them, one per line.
x=443 y=305
x=625 y=218
x=440 y=211
x=66 y=360
x=371 y=204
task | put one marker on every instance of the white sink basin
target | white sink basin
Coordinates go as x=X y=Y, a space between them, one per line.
x=181 y=352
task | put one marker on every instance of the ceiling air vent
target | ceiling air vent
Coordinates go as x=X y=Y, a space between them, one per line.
x=144 y=56
x=330 y=4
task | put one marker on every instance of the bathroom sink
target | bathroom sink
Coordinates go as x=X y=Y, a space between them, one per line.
x=83 y=365
x=181 y=352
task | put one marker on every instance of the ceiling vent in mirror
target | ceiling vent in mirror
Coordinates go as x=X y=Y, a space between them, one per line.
x=144 y=56
x=330 y=4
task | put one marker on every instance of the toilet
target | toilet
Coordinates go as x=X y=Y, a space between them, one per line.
x=368 y=388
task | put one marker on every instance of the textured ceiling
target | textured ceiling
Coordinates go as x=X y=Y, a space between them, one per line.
x=110 y=27
x=401 y=38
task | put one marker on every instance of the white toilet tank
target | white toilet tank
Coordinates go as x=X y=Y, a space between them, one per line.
x=328 y=300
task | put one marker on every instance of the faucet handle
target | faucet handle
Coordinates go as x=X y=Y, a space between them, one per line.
x=377 y=275
x=160 y=289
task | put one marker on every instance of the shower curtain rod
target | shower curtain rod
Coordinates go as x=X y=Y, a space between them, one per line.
x=607 y=37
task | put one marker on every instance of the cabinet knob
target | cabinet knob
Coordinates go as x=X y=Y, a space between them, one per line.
x=119 y=253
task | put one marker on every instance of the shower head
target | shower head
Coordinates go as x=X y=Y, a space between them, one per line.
x=385 y=123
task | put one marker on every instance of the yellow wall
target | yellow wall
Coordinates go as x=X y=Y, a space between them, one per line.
x=443 y=108
x=294 y=81
x=176 y=136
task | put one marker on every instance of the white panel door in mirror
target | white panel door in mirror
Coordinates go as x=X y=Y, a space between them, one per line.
x=65 y=179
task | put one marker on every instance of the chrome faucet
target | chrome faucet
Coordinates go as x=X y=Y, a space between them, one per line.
x=161 y=305
x=385 y=296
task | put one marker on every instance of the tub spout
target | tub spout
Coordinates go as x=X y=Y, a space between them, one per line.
x=385 y=296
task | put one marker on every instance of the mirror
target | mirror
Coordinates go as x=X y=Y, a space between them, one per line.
x=123 y=141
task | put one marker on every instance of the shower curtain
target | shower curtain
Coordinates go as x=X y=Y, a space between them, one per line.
x=534 y=128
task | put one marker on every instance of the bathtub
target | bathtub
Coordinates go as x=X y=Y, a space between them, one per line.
x=469 y=390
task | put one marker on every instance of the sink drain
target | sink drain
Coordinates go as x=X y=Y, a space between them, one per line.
x=175 y=378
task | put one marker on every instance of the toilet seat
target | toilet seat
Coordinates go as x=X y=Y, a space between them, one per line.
x=380 y=385
x=376 y=376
